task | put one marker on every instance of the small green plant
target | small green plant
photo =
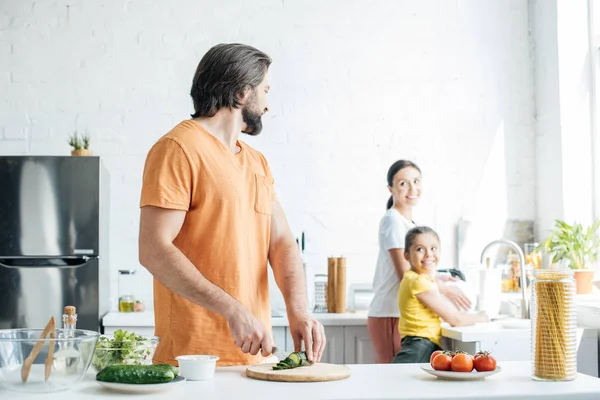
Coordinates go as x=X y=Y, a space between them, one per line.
x=579 y=245
x=78 y=141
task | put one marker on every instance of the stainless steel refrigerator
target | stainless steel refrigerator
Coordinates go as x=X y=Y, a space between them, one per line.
x=53 y=227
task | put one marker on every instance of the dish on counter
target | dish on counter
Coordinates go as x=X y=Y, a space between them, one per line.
x=199 y=367
x=68 y=364
x=123 y=348
x=143 y=388
x=459 y=376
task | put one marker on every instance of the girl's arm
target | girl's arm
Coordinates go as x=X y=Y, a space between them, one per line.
x=436 y=303
x=400 y=263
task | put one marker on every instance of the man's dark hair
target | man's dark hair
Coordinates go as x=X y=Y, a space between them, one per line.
x=223 y=75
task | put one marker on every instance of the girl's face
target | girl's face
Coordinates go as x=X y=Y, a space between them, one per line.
x=424 y=253
x=406 y=187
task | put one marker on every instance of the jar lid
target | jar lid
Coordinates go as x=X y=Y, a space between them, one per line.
x=553 y=274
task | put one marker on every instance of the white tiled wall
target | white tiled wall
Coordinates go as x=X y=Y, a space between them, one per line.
x=356 y=85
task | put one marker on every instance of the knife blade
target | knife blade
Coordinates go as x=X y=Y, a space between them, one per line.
x=279 y=354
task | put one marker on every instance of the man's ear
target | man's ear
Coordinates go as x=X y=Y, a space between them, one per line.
x=245 y=95
x=241 y=97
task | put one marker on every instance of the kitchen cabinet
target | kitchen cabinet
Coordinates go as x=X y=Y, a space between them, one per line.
x=348 y=340
x=587 y=352
x=358 y=348
x=345 y=344
x=503 y=350
x=334 y=350
x=279 y=337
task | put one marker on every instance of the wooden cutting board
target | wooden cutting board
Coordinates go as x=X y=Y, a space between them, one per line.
x=319 y=372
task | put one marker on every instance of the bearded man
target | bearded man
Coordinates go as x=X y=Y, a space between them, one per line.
x=210 y=224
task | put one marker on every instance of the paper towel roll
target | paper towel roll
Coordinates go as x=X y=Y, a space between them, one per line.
x=490 y=291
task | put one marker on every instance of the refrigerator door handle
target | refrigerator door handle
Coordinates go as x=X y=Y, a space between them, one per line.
x=75 y=262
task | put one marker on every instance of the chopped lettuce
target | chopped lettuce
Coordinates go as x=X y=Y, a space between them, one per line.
x=124 y=348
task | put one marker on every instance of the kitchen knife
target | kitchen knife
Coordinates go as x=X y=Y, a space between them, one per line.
x=279 y=354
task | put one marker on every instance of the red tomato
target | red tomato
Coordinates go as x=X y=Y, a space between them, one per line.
x=462 y=363
x=435 y=353
x=442 y=362
x=484 y=362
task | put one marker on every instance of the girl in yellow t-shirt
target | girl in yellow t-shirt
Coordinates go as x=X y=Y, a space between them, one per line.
x=420 y=302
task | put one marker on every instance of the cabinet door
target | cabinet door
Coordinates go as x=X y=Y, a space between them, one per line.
x=502 y=350
x=279 y=337
x=587 y=352
x=334 y=348
x=358 y=348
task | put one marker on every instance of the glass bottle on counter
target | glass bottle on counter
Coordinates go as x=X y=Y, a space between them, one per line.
x=126 y=304
x=139 y=306
x=126 y=300
x=67 y=357
x=553 y=325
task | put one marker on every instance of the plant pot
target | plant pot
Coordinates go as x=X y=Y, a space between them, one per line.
x=583 y=280
x=81 y=152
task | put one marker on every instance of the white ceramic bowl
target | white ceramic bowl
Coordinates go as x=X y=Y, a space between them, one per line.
x=197 y=367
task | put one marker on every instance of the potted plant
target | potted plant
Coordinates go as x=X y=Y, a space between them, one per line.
x=578 y=246
x=80 y=144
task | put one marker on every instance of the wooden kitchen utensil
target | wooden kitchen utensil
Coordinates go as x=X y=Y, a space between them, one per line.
x=340 y=294
x=26 y=368
x=336 y=284
x=319 y=372
x=50 y=359
x=331 y=283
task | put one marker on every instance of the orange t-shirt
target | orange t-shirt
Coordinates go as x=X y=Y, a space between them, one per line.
x=225 y=234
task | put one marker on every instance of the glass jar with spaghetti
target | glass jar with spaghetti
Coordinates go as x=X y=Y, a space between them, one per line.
x=553 y=325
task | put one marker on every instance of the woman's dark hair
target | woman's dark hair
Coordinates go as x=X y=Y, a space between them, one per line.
x=223 y=75
x=409 y=239
x=397 y=166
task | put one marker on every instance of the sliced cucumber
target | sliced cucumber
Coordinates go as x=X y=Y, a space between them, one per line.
x=294 y=360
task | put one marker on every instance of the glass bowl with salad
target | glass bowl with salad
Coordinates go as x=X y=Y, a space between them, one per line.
x=123 y=348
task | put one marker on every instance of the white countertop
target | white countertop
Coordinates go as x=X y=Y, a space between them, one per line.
x=146 y=319
x=588 y=316
x=484 y=332
x=383 y=382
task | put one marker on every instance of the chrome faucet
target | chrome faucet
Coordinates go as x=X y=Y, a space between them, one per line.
x=515 y=247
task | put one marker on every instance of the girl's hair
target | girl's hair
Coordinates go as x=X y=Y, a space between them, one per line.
x=397 y=166
x=414 y=232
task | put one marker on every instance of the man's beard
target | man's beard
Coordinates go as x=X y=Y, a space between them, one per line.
x=252 y=119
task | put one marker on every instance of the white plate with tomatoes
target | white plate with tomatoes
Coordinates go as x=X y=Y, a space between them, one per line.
x=459 y=376
x=459 y=365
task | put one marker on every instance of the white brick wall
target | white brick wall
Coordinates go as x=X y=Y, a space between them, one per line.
x=355 y=86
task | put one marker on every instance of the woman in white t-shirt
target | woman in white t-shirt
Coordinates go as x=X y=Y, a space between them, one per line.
x=404 y=184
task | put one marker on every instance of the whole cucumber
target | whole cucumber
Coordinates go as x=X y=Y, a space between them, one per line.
x=169 y=367
x=136 y=374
